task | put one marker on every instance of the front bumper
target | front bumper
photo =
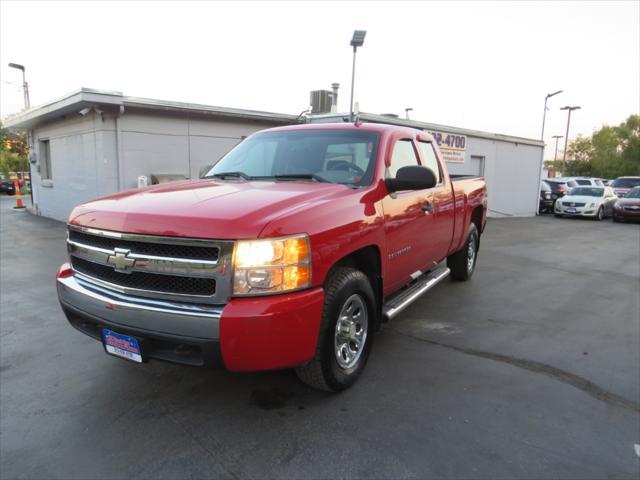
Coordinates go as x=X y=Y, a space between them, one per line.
x=575 y=211
x=624 y=213
x=247 y=334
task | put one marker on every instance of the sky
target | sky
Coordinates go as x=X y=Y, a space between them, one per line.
x=479 y=65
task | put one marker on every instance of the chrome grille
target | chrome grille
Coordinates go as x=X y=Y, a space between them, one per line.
x=147 y=281
x=156 y=249
x=176 y=268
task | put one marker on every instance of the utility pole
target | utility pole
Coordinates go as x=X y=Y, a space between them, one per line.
x=27 y=106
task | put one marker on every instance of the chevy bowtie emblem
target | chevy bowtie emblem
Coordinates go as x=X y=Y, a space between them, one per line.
x=120 y=260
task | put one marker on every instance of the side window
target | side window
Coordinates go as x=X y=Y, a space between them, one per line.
x=403 y=155
x=45 y=160
x=429 y=158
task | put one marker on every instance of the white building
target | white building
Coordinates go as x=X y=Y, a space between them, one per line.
x=93 y=143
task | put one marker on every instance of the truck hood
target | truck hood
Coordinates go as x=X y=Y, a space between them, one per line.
x=203 y=208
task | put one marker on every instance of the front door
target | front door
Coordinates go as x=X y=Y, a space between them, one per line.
x=407 y=215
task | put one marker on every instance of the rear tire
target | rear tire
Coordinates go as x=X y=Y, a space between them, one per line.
x=348 y=319
x=463 y=263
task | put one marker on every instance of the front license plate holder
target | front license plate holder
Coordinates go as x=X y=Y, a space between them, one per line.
x=122 y=346
x=571 y=210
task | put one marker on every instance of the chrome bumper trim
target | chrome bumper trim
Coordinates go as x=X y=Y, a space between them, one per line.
x=155 y=315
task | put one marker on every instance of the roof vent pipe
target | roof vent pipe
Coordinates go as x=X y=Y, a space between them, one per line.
x=334 y=97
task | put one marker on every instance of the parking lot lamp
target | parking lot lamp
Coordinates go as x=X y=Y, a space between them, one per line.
x=544 y=114
x=356 y=41
x=557 y=137
x=566 y=137
x=25 y=87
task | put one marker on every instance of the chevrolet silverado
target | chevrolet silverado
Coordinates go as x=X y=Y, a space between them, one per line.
x=291 y=252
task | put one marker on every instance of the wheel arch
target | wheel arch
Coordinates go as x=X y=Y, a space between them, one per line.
x=477 y=216
x=369 y=261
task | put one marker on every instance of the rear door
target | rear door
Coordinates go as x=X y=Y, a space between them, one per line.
x=407 y=218
x=439 y=231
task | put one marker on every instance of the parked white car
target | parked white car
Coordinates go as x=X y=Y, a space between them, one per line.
x=582 y=181
x=594 y=202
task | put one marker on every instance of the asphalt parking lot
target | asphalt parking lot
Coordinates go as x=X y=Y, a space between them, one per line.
x=531 y=370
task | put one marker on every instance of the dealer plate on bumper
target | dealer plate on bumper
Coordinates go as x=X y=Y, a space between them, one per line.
x=121 y=346
x=571 y=210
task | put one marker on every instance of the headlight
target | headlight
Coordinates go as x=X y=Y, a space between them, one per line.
x=592 y=205
x=272 y=266
x=618 y=206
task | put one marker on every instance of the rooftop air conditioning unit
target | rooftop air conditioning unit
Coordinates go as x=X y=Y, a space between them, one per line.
x=321 y=101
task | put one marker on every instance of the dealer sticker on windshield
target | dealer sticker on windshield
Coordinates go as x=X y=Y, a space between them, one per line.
x=121 y=346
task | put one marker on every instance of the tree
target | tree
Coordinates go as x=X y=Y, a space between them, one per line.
x=14 y=152
x=610 y=152
x=580 y=152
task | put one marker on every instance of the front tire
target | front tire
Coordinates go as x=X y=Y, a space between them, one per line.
x=463 y=263
x=600 y=215
x=346 y=332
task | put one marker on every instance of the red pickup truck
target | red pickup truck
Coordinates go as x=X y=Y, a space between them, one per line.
x=291 y=252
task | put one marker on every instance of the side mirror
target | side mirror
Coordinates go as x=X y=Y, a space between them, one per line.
x=413 y=177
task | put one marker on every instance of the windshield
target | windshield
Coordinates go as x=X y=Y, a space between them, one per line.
x=336 y=156
x=625 y=182
x=587 y=192
x=635 y=193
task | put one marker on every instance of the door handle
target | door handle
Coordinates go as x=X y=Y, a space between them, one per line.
x=427 y=207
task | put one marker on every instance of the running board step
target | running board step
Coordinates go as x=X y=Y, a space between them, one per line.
x=406 y=297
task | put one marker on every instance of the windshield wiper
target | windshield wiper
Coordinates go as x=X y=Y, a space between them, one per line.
x=295 y=176
x=230 y=174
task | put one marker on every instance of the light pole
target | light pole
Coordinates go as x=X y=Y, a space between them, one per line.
x=25 y=87
x=544 y=114
x=406 y=113
x=557 y=137
x=566 y=137
x=356 y=41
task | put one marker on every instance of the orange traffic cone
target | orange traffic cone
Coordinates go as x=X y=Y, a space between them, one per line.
x=18 y=195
